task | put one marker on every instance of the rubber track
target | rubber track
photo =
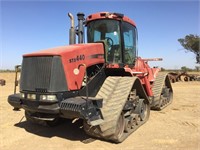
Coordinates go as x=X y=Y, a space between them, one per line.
x=114 y=91
x=157 y=89
x=158 y=85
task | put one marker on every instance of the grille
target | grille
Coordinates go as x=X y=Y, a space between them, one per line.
x=36 y=73
x=70 y=106
x=73 y=104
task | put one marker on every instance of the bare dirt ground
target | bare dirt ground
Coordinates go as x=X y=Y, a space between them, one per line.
x=175 y=127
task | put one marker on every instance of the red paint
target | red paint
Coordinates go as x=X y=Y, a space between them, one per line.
x=146 y=74
x=93 y=54
x=68 y=54
x=104 y=15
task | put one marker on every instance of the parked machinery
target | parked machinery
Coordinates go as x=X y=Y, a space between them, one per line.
x=102 y=81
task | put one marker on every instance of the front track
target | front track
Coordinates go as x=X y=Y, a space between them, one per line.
x=120 y=120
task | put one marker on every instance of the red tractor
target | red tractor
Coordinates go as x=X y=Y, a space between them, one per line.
x=103 y=82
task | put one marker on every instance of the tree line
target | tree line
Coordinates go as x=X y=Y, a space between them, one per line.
x=191 y=43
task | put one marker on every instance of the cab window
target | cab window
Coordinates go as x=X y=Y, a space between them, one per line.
x=109 y=31
x=130 y=38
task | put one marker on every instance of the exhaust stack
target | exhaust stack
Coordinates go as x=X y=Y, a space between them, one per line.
x=72 y=36
x=79 y=30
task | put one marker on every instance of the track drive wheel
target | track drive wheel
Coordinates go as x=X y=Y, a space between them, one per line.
x=143 y=110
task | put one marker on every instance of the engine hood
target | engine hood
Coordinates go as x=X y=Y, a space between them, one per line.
x=61 y=50
x=69 y=58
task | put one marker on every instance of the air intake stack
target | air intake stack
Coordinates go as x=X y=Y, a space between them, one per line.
x=80 y=30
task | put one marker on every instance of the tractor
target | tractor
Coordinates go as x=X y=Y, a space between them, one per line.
x=100 y=80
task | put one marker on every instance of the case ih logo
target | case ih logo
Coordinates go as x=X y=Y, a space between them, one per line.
x=77 y=58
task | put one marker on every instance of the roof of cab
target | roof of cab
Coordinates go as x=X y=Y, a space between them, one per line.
x=108 y=15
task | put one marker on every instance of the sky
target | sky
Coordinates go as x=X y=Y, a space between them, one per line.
x=29 y=26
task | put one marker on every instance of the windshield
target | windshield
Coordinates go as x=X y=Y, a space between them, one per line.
x=109 y=31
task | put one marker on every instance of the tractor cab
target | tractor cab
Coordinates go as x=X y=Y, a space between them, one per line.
x=118 y=32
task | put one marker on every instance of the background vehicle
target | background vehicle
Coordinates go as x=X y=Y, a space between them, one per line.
x=103 y=82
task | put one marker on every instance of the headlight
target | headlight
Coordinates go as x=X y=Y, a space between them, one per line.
x=43 y=97
x=22 y=95
x=51 y=97
x=48 y=97
x=31 y=96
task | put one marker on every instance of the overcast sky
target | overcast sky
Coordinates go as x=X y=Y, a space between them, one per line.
x=31 y=26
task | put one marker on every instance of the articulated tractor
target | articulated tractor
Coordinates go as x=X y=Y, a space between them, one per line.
x=101 y=80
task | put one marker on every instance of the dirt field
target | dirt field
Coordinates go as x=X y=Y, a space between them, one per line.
x=176 y=127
